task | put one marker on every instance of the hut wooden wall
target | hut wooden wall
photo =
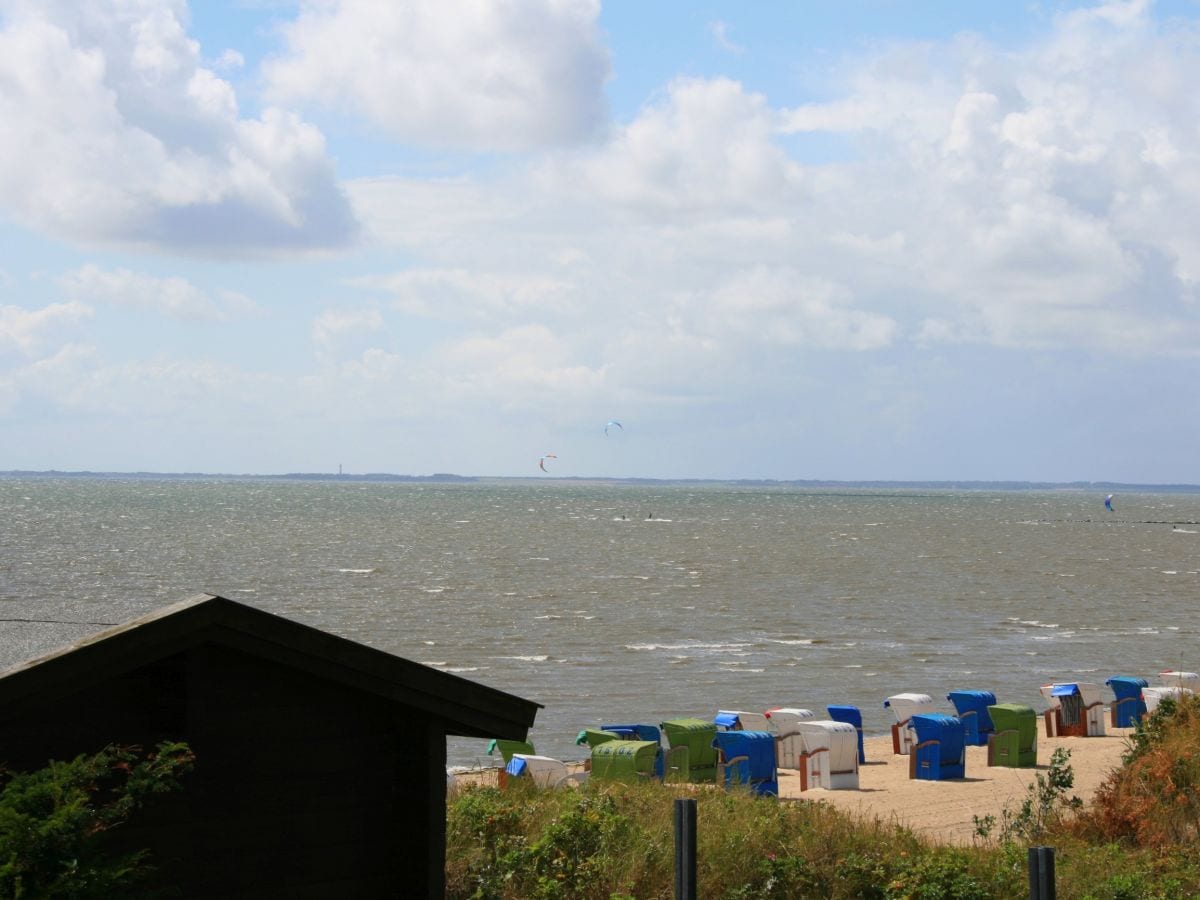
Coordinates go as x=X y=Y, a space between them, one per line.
x=302 y=787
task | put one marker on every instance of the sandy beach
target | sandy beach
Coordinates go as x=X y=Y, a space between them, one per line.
x=944 y=810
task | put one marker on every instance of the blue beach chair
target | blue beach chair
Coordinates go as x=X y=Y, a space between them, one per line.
x=747 y=757
x=852 y=715
x=940 y=749
x=972 y=709
x=1129 y=707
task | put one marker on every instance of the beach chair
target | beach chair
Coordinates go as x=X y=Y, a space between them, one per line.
x=543 y=771
x=972 y=710
x=939 y=750
x=851 y=715
x=829 y=758
x=1156 y=693
x=738 y=720
x=1013 y=742
x=1128 y=706
x=594 y=736
x=747 y=758
x=629 y=762
x=699 y=763
x=788 y=742
x=1173 y=678
x=904 y=707
x=507 y=748
x=1076 y=709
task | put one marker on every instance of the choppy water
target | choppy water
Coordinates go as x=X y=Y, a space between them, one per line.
x=569 y=595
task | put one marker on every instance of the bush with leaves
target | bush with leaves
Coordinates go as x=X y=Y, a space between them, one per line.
x=53 y=821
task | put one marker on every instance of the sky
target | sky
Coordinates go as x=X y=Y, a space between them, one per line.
x=784 y=240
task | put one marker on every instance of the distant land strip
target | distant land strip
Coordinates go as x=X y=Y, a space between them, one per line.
x=450 y=478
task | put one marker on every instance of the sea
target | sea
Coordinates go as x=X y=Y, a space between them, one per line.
x=627 y=602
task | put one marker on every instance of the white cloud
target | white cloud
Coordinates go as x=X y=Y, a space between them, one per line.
x=462 y=295
x=32 y=333
x=479 y=74
x=341 y=333
x=707 y=146
x=172 y=296
x=720 y=32
x=115 y=132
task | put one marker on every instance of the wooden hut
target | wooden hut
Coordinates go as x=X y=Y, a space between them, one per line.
x=320 y=762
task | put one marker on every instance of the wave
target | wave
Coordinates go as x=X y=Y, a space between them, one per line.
x=358 y=571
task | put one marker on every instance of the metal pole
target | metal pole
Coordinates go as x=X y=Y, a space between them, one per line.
x=1041 y=874
x=685 y=849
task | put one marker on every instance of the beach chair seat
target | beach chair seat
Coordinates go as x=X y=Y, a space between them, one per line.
x=543 y=771
x=1156 y=693
x=1128 y=707
x=1013 y=742
x=696 y=735
x=851 y=715
x=972 y=710
x=904 y=707
x=747 y=758
x=1076 y=709
x=939 y=750
x=626 y=761
x=829 y=758
x=740 y=720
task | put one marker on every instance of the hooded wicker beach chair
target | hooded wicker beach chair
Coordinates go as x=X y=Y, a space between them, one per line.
x=1156 y=693
x=904 y=707
x=1076 y=709
x=788 y=742
x=594 y=736
x=1013 y=743
x=829 y=758
x=696 y=735
x=1128 y=706
x=939 y=750
x=853 y=716
x=747 y=758
x=740 y=720
x=1174 y=678
x=543 y=771
x=972 y=710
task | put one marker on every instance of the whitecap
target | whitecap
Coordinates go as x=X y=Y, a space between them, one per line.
x=356 y=571
x=791 y=642
x=537 y=658
x=465 y=668
x=433 y=590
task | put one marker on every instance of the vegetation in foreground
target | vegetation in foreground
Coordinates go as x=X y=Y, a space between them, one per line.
x=53 y=823
x=1137 y=840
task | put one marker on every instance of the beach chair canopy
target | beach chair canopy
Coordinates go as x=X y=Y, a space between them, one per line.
x=638 y=732
x=904 y=706
x=940 y=749
x=972 y=709
x=1128 y=706
x=852 y=715
x=1174 y=678
x=626 y=761
x=594 y=736
x=839 y=739
x=783 y=717
x=1014 y=741
x=748 y=758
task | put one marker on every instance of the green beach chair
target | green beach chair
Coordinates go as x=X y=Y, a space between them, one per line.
x=1014 y=742
x=696 y=735
x=508 y=748
x=593 y=737
x=625 y=761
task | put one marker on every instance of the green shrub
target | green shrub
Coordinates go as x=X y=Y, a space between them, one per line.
x=53 y=822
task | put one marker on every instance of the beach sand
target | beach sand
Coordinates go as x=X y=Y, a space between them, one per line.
x=944 y=810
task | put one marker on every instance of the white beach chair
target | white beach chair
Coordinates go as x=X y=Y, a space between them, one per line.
x=1076 y=709
x=544 y=771
x=1154 y=694
x=830 y=756
x=904 y=707
x=1172 y=678
x=789 y=744
x=740 y=720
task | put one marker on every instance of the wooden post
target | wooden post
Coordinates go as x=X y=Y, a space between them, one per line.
x=1041 y=874
x=685 y=849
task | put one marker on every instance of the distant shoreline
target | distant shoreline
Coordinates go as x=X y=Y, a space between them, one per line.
x=450 y=478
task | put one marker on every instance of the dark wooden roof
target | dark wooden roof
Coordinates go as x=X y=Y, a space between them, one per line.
x=466 y=707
